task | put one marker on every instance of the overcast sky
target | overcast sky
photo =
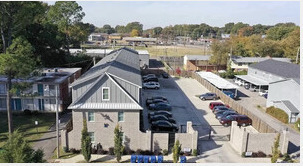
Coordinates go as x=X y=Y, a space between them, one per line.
x=157 y=13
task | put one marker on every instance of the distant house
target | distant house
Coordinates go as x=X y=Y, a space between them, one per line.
x=98 y=37
x=47 y=92
x=139 y=40
x=239 y=63
x=114 y=37
x=282 y=81
x=285 y=94
x=199 y=62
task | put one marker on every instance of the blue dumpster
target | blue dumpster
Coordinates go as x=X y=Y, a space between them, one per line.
x=146 y=159
x=183 y=159
x=152 y=159
x=160 y=159
x=133 y=158
x=140 y=159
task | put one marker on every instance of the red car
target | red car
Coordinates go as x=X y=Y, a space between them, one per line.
x=213 y=104
x=242 y=120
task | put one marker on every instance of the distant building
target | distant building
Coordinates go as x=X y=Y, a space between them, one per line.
x=200 y=62
x=43 y=91
x=98 y=37
x=139 y=40
x=239 y=63
x=114 y=37
x=282 y=81
x=225 y=36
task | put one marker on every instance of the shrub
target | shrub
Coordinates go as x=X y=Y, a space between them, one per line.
x=195 y=152
x=138 y=151
x=258 y=154
x=35 y=112
x=287 y=158
x=278 y=114
x=27 y=112
x=165 y=152
x=65 y=149
x=297 y=124
x=111 y=151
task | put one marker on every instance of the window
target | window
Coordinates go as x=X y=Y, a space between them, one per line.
x=3 y=103
x=91 y=116
x=92 y=136
x=105 y=93
x=120 y=116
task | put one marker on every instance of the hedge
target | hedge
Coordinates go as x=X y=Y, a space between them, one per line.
x=278 y=114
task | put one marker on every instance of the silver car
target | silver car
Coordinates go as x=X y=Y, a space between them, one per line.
x=208 y=96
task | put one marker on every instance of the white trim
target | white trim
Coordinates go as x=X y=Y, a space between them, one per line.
x=108 y=93
x=124 y=80
x=122 y=89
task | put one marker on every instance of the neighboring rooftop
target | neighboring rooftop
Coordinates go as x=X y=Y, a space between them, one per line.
x=198 y=57
x=240 y=59
x=140 y=39
x=282 y=69
x=218 y=81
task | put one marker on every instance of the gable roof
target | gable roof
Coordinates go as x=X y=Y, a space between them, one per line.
x=240 y=59
x=123 y=63
x=282 y=69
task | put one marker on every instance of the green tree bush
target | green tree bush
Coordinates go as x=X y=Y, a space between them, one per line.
x=275 y=150
x=18 y=150
x=176 y=151
x=86 y=146
x=118 y=149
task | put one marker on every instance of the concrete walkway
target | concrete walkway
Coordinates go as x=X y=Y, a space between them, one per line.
x=48 y=141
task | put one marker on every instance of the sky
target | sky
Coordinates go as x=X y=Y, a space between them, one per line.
x=158 y=13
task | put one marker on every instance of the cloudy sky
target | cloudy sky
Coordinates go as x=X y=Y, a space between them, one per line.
x=218 y=13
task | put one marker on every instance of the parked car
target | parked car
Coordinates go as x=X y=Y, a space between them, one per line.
x=165 y=113
x=157 y=97
x=153 y=101
x=242 y=120
x=149 y=75
x=229 y=93
x=213 y=104
x=224 y=114
x=163 y=125
x=208 y=96
x=239 y=82
x=161 y=117
x=151 y=79
x=160 y=106
x=253 y=88
x=263 y=92
x=220 y=109
x=165 y=75
x=151 y=85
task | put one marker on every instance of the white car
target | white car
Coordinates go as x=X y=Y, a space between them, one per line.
x=149 y=75
x=240 y=82
x=262 y=93
x=151 y=85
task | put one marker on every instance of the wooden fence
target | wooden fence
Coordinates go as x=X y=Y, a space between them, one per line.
x=257 y=123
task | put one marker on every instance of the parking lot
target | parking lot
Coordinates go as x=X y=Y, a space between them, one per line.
x=186 y=106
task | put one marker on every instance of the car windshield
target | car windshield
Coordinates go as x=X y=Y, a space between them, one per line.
x=229 y=117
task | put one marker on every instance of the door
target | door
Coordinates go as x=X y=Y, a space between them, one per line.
x=41 y=104
x=40 y=89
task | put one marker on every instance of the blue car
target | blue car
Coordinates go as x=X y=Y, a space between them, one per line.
x=230 y=94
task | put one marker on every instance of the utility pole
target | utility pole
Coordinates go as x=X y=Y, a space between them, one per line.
x=57 y=122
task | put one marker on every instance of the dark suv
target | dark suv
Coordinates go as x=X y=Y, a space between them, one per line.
x=242 y=120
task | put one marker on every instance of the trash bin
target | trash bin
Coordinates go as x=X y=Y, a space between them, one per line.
x=133 y=158
x=152 y=159
x=140 y=159
x=160 y=159
x=146 y=159
x=183 y=159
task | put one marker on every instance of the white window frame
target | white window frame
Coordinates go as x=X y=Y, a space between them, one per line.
x=90 y=135
x=123 y=116
x=108 y=93
x=89 y=116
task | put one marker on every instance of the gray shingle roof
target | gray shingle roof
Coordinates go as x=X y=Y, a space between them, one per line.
x=123 y=63
x=282 y=69
x=240 y=59
x=290 y=106
x=198 y=57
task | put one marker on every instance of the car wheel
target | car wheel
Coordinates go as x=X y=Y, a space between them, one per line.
x=157 y=87
x=214 y=98
x=203 y=99
x=225 y=124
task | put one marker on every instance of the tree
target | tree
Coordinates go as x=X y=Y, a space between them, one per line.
x=228 y=27
x=17 y=63
x=176 y=151
x=18 y=150
x=65 y=14
x=280 y=32
x=107 y=29
x=86 y=146
x=134 y=25
x=157 y=31
x=134 y=33
x=120 y=29
x=291 y=44
x=220 y=53
x=275 y=150
x=118 y=149
x=238 y=26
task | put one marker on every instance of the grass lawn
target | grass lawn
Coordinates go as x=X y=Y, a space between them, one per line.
x=63 y=155
x=155 y=51
x=26 y=125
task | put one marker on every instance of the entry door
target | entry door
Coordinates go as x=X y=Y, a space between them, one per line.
x=40 y=89
x=41 y=104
